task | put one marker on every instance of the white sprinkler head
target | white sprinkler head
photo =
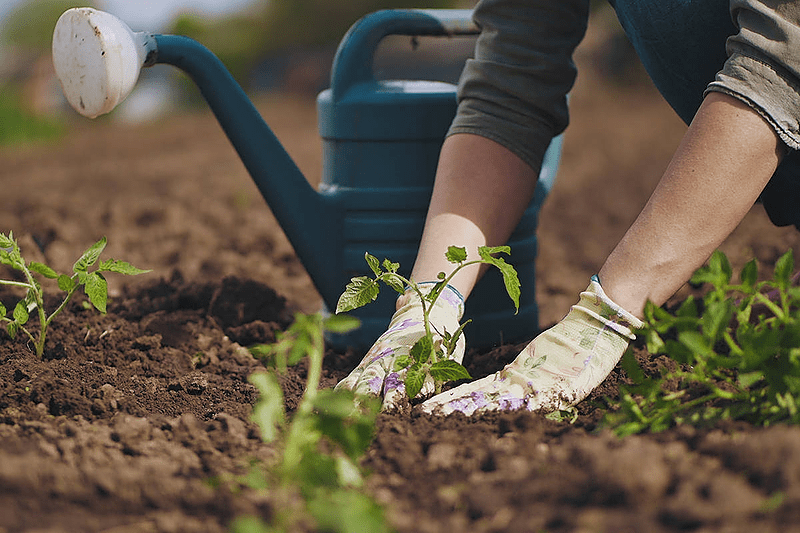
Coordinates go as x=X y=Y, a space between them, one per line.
x=97 y=59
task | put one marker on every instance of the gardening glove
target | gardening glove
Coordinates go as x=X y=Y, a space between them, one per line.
x=376 y=375
x=558 y=368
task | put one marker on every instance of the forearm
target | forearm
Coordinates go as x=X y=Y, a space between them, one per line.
x=725 y=159
x=480 y=193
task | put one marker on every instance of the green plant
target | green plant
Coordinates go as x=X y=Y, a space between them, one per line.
x=427 y=357
x=93 y=283
x=735 y=353
x=320 y=448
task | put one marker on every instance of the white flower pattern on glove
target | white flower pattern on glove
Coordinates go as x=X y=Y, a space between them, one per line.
x=375 y=374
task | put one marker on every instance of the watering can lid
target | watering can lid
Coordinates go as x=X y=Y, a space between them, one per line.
x=388 y=110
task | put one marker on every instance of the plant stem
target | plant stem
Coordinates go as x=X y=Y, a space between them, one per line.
x=15 y=283
x=300 y=431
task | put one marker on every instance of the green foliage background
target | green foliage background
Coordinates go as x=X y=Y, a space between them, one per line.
x=240 y=41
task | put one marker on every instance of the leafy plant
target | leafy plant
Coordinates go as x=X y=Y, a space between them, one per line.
x=320 y=448
x=736 y=354
x=93 y=283
x=428 y=356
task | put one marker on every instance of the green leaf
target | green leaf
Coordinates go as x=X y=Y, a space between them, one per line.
x=717 y=272
x=120 y=267
x=346 y=510
x=358 y=293
x=749 y=274
x=456 y=254
x=415 y=378
x=373 y=263
x=96 y=289
x=783 y=270
x=12 y=329
x=43 y=269
x=421 y=351
x=488 y=251
x=341 y=323
x=631 y=367
x=448 y=370
x=388 y=266
x=349 y=425
x=268 y=413
x=717 y=315
x=451 y=340
x=402 y=362
x=250 y=524
x=6 y=241
x=21 y=314
x=90 y=256
x=3 y=310
x=510 y=277
x=65 y=283
x=394 y=281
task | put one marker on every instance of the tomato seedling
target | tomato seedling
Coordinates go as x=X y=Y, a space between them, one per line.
x=432 y=355
x=93 y=283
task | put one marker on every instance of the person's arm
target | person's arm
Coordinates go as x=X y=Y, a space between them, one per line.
x=481 y=192
x=726 y=157
x=512 y=102
x=724 y=161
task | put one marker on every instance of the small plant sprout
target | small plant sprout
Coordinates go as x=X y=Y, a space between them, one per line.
x=429 y=356
x=93 y=283
x=320 y=448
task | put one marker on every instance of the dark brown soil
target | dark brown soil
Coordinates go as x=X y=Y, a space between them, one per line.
x=122 y=424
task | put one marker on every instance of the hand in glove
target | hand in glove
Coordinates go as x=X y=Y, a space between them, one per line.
x=376 y=375
x=558 y=369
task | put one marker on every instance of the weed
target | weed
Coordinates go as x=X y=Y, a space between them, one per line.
x=428 y=356
x=93 y=283
x=736 y=353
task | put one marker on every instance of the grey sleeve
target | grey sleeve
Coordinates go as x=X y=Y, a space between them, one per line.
x=763 y=66
x=514 y=90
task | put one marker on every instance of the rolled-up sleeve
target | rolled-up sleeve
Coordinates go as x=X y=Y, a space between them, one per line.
x=763 y=65
x=514 y=90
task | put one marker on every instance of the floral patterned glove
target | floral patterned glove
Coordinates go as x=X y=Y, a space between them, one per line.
x=558 y=369
x=375 y=375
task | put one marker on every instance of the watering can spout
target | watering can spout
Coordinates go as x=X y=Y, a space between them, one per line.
x=98 y=60
x=381 y=140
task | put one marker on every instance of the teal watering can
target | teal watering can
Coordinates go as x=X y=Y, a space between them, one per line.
x=380 y=143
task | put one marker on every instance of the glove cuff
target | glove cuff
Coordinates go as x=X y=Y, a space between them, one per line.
x=596 y=302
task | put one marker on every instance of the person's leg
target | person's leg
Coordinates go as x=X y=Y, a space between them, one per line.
x=480 y=193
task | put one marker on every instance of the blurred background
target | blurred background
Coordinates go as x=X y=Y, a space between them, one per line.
x=268 y=45
x=159 y=178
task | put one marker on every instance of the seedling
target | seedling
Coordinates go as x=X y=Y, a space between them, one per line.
x=93 y=283
x=320 y=449
x=430 y=356
x=736 y=354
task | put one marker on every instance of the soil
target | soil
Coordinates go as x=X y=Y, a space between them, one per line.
x=122 y=423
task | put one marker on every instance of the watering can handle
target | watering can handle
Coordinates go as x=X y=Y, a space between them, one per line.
x=353 y=61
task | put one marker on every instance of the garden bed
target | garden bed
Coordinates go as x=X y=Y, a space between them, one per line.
x=130 y=418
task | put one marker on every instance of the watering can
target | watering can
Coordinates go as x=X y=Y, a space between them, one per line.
x=380 y=147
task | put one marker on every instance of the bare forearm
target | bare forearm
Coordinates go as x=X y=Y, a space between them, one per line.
x=480 y=193
x=724 y=161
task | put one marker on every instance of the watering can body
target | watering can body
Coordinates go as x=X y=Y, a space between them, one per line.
x=380 y=142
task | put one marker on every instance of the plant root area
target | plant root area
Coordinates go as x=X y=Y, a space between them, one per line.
x=134 y=420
